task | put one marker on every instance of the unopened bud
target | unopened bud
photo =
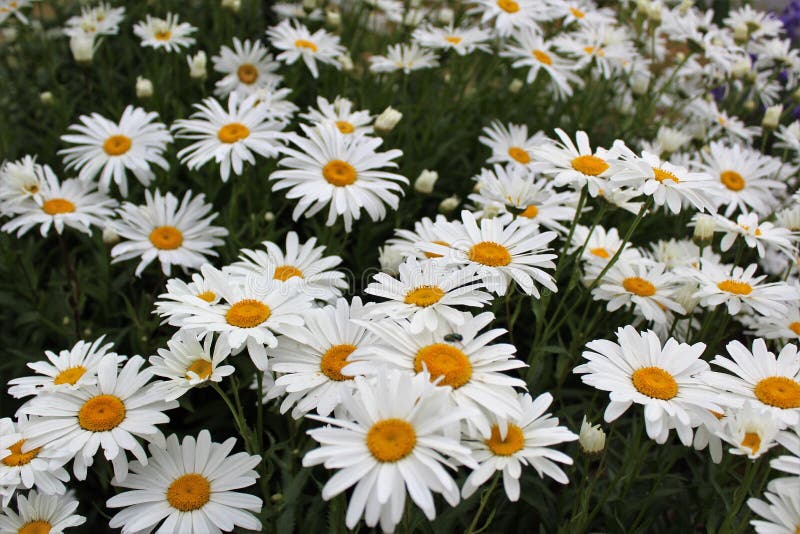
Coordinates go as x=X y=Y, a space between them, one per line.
x=425 y=182
x=387 y=120
x=46 y=98
x=269 y=216
x=741 y=68
x=592 y=438
x=515 y=86
x=446 y=15
x=110 y=236
x=741 y=33
x=333 y=17
x=749 y=105
x=703 y=230
x=233 y=5
x=144 y=87
x=390 y=259
x=309 y=5
x=197 y=65
x=82 y=47
x=449 y=204
x=772 y=117
x=346 y=62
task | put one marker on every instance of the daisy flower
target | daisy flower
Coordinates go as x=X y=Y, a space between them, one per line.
x=186 y=364
x=229 y=137
x=648 y=287
x=576 y=166
x=510 y=143
x=181 y=297
x=462 y=41
x=340 y=113
x=247 y=67
x=427 y=294
x=526 y=440
x=768 y=382
x=309 y=359
x=13 y=7
x=189 y=486
x=663 y=379
x=787 y=463
x=101 y=19
x=779 y=514
x=304 y=264
x=507 y=16
x=784 y=326
x=110 y=150
x=598 y=245
x=168 y=33
x=176 y=232
x=503 y=253
x=339 y=171
x=756 y=234
x=19 y=182
x=396 y=440
x=425 y=231
x=296 y=42
x=41 y=513
x=529 y=49
x=405 y=57
x=751 y=431
x=111 y=414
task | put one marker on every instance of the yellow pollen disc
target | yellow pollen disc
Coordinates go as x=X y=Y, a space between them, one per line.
x=166 y=238
x=284 y=272
x=391 y=440
x=339 y=173
x=248 y=73
x=779 y=391
x=424 y=296
x=509 y=6
x=17 y=457
x=247 y=313
x=600 y=252
x=308 y=45
x=732 y=180
x=452 y=39
x=444 y=360
x=661 y=175
x=189 y=492
x=795 y=327
x=70 y=375
x=519 y=154
x=589 y=165
x=577 y=13
x=101 y=413
x=490 y=253
x=163 y=36
x=514 y=441
x=655 y=382
x=736 y=287
x=530 y=212
x=54 y=206
x=751 y=441
x=543 y=57
x=433 y=254
x=233 y=132
x=202 y=368
x=639 y=286
x=116 y=145
x=208 y=296
x=345 y=127
x=334 y=359
x=594 y=51
x=35 y=527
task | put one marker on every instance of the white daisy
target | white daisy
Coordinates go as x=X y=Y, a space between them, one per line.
x=340 y=113
x=598 y=245
x=41 y=513
x=756 y=234
x=247 y=68
x=19 y=182
x=750 y=430
x=648 y=287
x=101 y=19
x=275 y=99
x=14 y=7
x=510 y=143
x=507 y=16
x=168 y=33
x=425 y=231
x=462 y=41
x=780 y=514
x=529 y=49
x=577 y=166
x=405 y=57
x=785 y=326
x=181 y=296
x=787 y=463
x=296 y=42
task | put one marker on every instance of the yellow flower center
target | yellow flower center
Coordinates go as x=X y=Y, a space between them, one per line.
x=38 y=526
x=308 y=45
x=54 y=206
x=519 y=154
x=166 y=238
x=116 y=145
x=509 y=6
x=189 y=492
x=661 y=175
x=391 y=440
x=31 y=189
x=736 y=287
x=542 y=57
x=334 y=359
x=655 y=382
x=444 y=360
x=577 y=13
x=233 y=132
x=452 y=39
x=248 y=73
x=339 y=173
x=751 y=441
x=70 y=375
x=530 y=212
x=600 y=252
x=101 y=413
x=795 y=327
x=639 y=286
x=490 y=253
x=589 y=165
x=732 y=180
x=284 y=272
x=433 y=254
x=345 y=127
x=17 y=457
x=208 y=296
x=163 y=35
x=424 y=296
x=202 y=368
x=590 y=50
x=247 y=313
x=514 y=441
x=778 y=391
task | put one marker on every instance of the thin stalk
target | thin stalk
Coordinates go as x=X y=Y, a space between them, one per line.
x=484 y=501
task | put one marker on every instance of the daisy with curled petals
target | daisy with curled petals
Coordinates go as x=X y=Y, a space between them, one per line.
x=186 y=364
x=309 y=359
x=456 y=356
x=513 y=444
x=340 y=113
x=462 y=41
x=785 y=326
x=164 y=228
x=405 y=57
x=189 y=486
x=427 y=294
x=304 y=264
x=74 y=368
x=247 y=67
x=73 y=203
x=339 y=171
x=248 y=311
x=19 y=182
x=503 y=253
x=425 y=231
x=598 y=245
x=510 y=143
x=168 y=33
x=296 y=42
x=768 y=382
x=229 y=137
x=577 y=165
x=527 y=48
x=41 y=513
x=507 y=16
x=110 y=150
x=180 y=297
x=638 y=369
x=779 y=514
x=113 y=413
x=397 y=439
x=756 y=234
x=750 y=430
x=649 y=288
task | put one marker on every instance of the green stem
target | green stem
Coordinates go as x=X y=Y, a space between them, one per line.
x=238 y=418
x=739 y=495
x=484 y=501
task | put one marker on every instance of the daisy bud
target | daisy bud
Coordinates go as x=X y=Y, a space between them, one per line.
x=796 y=95
x=276 y=497
x=87 y=332
x=390 y=259
x=446 y=15
x=65 y=321
x=741 y=33
x=82 y=47
x=233 y=5
x=703 y=230
x=110 y=237
x=387 y=120
x=269 y=217
x=515 y=86
x=425 y=182
x=772 y=117
x=309 y=5
x=741 y=67
x=654 y=12
x=685 y=297
x=490 y=211
x=346 y=62
x=749 y=105
x=46 y=98
x=197 y=65
x=592 y=438
x=449 y=204
x=9 y=34
x=144 y=87
x=640 y=81
x=333 y=18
